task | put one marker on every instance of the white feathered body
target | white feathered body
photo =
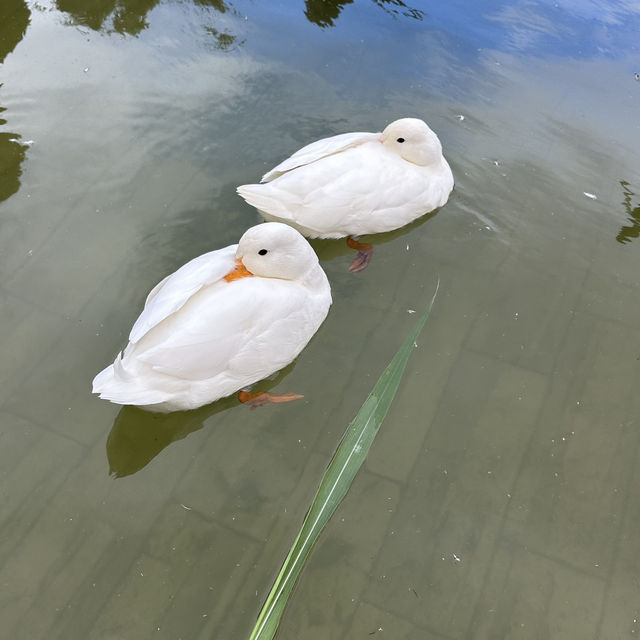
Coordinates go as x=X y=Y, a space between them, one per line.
x=201 y=338
x=349 y=184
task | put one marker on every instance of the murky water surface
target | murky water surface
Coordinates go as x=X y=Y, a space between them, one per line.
x=502 y=496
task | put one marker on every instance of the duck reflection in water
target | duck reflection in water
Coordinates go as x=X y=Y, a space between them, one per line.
x=138 y=436
x=629 y=232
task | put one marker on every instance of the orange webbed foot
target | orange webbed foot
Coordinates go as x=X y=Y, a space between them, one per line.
x=260 y=398
x=365 y=253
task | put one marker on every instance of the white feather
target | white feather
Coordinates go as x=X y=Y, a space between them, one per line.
x=320 y=149
x=172 y=293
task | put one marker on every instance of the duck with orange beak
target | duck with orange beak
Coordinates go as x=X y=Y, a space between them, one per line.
x=221 y=323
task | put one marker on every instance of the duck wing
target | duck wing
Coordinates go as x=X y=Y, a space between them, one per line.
x=364 y=189
x=320 y=149
x=172 y=293
x=242 y=333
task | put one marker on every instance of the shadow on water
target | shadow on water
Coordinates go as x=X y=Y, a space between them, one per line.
x=14 y=20
x=629 y=232
x=138 y=436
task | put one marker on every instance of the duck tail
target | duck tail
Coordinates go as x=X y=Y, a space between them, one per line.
x=259 y=196
x=119 y=371
x=111 y=375
x=118 y=385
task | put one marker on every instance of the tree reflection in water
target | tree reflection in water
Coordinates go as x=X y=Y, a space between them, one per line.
x=325 y=12
x=629 y=232
x=129 y=17
x=14 y=20
x=121 y=16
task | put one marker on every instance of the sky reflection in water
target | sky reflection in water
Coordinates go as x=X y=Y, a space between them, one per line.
x=582 y=30
x=578 y=29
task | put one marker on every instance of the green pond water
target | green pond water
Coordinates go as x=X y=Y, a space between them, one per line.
x=501 y=498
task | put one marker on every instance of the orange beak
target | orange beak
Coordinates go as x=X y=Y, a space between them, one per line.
x=240 y=271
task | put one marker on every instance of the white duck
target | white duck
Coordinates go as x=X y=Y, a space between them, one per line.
x=357 y=183
x=222 y=322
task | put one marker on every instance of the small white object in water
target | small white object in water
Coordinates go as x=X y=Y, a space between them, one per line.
x=593 y=196
x=460 y=117
x=24 y=143
x=411 y=310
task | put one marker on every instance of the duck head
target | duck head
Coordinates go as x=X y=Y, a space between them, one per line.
x=412 y=139
x=276 y=250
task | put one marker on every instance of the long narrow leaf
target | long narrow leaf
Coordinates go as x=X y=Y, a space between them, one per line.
x=344 y=465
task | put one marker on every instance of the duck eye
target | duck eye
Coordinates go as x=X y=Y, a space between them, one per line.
x=400 y=140
x=263 y=252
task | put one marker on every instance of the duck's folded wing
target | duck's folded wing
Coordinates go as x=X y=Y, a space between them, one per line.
x=247 y=331
x=320 y=149
x=172 y=293
x=337 y=196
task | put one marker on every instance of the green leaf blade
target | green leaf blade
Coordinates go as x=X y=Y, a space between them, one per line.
x=342 y=469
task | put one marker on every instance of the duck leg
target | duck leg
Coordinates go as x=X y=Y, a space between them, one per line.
x=365 y=252
x=260 y=398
